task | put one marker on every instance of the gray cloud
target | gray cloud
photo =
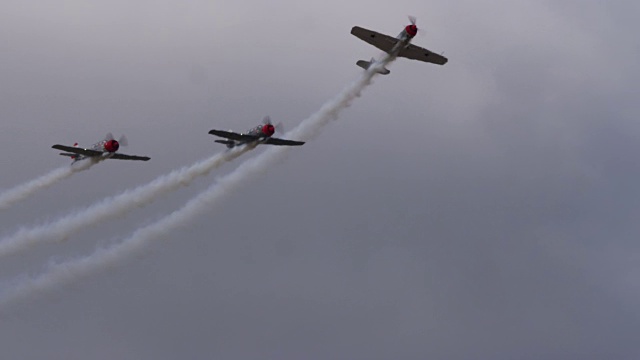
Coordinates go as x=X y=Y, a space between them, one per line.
x=480 y=209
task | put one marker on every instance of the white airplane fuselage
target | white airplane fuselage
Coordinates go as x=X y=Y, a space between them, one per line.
x=106 y=147
x=405 y=40
x=261 y=132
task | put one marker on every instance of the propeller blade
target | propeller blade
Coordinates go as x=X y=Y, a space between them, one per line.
x=266 y=120
x=412 y=19
x=123 y=141
x=109 y=136
x=280 y=127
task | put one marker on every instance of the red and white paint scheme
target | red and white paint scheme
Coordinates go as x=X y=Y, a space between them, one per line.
x=261 y=134
x=410 y=30
x=104 y=149
x=399 y=46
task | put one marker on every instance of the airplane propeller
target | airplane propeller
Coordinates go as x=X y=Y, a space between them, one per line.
x=413 y=20
x=279 y=126
x=122 y=140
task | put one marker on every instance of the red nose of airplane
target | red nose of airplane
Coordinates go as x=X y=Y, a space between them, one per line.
x=111 y=146
x=268 y=129
x=411 y=30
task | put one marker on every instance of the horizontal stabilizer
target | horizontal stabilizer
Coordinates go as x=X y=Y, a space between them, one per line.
x=366 y=64
x=226 y=142
x=230 y=143
x=68 y=154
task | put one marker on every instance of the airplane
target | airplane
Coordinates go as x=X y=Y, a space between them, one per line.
x=104 y=149
x=399 y=46
x=261 y=134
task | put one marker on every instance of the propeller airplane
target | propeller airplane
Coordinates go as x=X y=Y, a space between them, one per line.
x=399 y=46
x=104 y=149
x=261 y=134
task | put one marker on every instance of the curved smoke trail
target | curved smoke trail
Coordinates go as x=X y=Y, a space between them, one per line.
x=114 y=206
x=76 y=270
x=25 y=190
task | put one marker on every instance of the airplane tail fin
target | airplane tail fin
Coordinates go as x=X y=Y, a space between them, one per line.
x=230 y=143
x=367 y=64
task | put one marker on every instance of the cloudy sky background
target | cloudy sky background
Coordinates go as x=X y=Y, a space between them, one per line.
x=483 y=209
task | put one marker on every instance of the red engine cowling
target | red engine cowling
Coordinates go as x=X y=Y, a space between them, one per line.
x=111 y=146
x=268 y=129
x=411 y=30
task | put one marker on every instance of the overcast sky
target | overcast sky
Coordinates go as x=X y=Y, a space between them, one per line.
x=483 y=209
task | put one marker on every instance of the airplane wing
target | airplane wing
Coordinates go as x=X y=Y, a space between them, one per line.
x=382 y=42
x=77 y=150
x=129 y=157
x=283 y=142
x=233 y=136
x=417 y=53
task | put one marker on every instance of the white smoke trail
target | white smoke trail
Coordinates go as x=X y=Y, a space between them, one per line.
x=25 y=190
x=114 y=206
x=76 y=270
